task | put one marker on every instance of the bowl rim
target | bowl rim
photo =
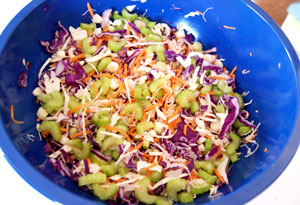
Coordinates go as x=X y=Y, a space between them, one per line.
x=243 y=194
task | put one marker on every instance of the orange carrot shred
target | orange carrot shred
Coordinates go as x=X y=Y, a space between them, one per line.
x=184 y=130
x=12 y=116
x=233 y=70
x=217 y=154
x=78 y=108
x=79 y=134
x=219 y=176
x=118 y=130
x=77 y=57
x=90 y=9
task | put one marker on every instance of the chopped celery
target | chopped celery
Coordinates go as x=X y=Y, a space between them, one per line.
x=115 y=154
x=141 y=91
x=72 y=131
x=115 y=46
x=206 y=89
x=87 y=48
x=103 y=63
x=74 y=103
x=122 y=126
x=156 y=84
x=158 y=94
x=144 y=126
x=110 y=170
x=237 y=124
x=207 y=177
x=220 y=108
x=133 y=108
x=208 y=145
x=146 y=144
x=75 y=143
x=206 y=165
x=143 y=103
x=88 y=68
x=185 y=197
x=222 y=85
x=153 y=37
x=92 y=179
x=53 y=128
x=145 y=30
x=151 y=24
x=123 y=171
x=174 y=186
x=96 y=159
x=163 y=201
x=243 y=130
x=218 y=93
x=87 y=26
x=195 y=107
x=105 y=193
x=52 y=101
x=185 y=98
x=240 y=98
x=142 y=194
x=143 y=19
x=116 y=15
x=111 y=142
x=101 y=118
x=197 y=46
x=83 y=153
x=200 y=188
x=129 y=16
x=155 y=176
x=161 y=56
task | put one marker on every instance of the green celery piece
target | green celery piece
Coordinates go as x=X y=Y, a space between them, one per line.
x=83 y=153
x=97 y=160
x=143 y=103
x=73 y=103
x=115 y=154
x=155 y=176
x=141 y=91
x=200 y=188
x=151 y=24
x=111 y=142
x=105 y=193
x=53 y=128
x=206 y=165
x=145 y=30
x=92 y=179
x=101 y=118
x=52 y=101
x=129 y=16
x=197 y=46
x=220 y=108
x=122 y=126
x=131 y=108
x=88 y=68
x=110 y=169
x=154 y=85
x=75 y=143
x=185 y=98
x=87 y=26
x=185 y=197
x=116 y=15
x=208 y=145
x=154 y=37
x=207 y=177
x=240 y=99
x=206 y=89
x=195 y=107
x=144 y=126
x=143 y=19
x=163 y=201
x=174 y=186
x=237 y=124
x=243 y=130
x=123 y=171
x=142 y=194
x=115 y=46
x=103 y=63
x=72 y=131
x=87 y=48
x=146 y=144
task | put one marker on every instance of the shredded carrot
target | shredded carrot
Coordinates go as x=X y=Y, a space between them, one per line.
x=89 y=161
x=78 y=108
x=184 y=130
x=233 y=70
x=219 y=176
x=137 y=60
x=178 y=79
x=180 y=70
x=150 y=107
x=250 y=54
x=12 y=116
x=104 y=74
x=64 y=129
x=116 y=60
x=247 y=141
x=95 y=89
x=38 y=119
x=151 y=166
x=86 y=79
x=212 y=92
x=79 y=134
x=125 y=70
x=266 y=149
x=81 y=55
x=118 y=130
x=149 y=172
x=229 y=27
x=90 y=9
x=217 y=154
x=218 y=77
x=191 y=127
x=62 y=81
x=137 y=147
x=99 y=43
x=128 y=29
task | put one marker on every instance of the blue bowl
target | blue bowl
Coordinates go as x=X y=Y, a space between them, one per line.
x=272 y=82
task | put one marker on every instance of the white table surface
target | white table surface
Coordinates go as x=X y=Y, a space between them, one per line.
x=14 y=190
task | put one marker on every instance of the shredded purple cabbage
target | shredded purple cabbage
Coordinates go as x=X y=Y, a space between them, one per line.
x=22 y=80
x=189 y=38
x=211 y=153
x=134 y=27
x=73 y=79
x=243 y=119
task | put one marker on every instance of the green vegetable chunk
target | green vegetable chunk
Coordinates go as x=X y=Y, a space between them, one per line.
x=133 y=108
x=240 y=98
x=123 y=171
x=208 y=145
x=52 y=101
x=87 y=26
x=73 y=103
x=129 y=16
x=115 y=154
x=153 y=37
x=207 y=177
x=144 y=126
x=97 y=160
x=83 y=153
x=200 y=188
x=111 y=143
x=158 y=83
x=163 y=201
x=92 y=179
x=116 y=15
x=155 y=176
x=206 y=165
x=101 y=118
x=145 y=30
x=103 y=63
x=75 y=143
x=110 y=170
x=105 y=193
x=197 y=46
x=87 y=48
x=141 y=91
x=243 y=130
x=142 y=194
x=185 y=98
x=185 y=197
x=52 y=127
x=174 y=186
x=195 y=107
x=115 y=46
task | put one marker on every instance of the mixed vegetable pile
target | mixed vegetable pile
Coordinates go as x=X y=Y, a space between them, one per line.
x=136 y=110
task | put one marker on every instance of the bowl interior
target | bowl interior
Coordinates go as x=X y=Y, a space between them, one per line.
x=252 y=45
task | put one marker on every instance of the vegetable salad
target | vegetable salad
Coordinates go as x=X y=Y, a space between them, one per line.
x=136 y=111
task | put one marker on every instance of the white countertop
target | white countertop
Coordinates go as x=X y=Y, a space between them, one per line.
x=14 y=190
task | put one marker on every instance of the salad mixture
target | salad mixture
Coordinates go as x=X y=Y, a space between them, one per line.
x=135 y=110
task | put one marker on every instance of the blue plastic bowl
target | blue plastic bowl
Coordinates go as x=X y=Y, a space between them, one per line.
x=273 y=88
